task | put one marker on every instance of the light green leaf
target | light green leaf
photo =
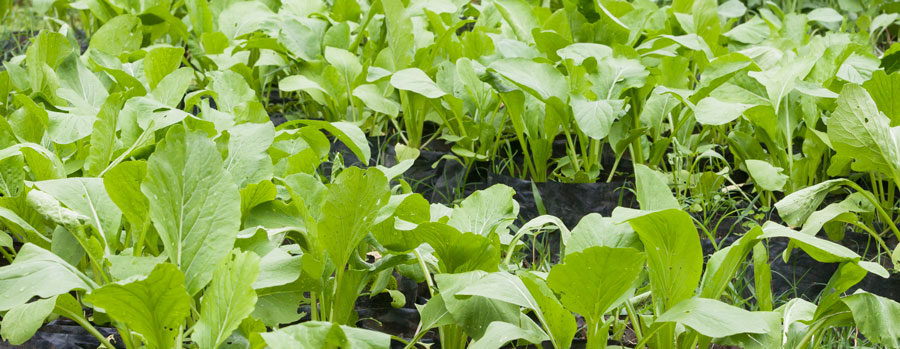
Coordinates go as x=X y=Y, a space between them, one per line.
x=194 y=204
x=715 y=319
x=652 y=191
x=539 y=79
x=594 y=266
x=796 y=207
x=231 y=91
x=119 y=35
x=154 y=307
x=857 y=129
x=315 y=334
x=161 y=61
x=882 y=88
x=674 y=256
x=578 y=52
x=499 y=333
x=486 y=212
x=301 y=40
x=372 y=98
x=824 y=15
x=228 y=300
x=277 y=268
x=502 y=286
x=723 y=264
x=88 y=197
x=22 y=321
x=819 y=249
x=712 y=111
x=27 y=277
x=473 y=314
x=347 y=63
x=459 y=252
x=103 y=136
x=415 y=80
x=766 y=176
x=352 y=201
x=248 y=160
x=596 y=230
x=874 y=317
x=123 y=184
x=595 y=118
x=351 y=135
x=518 y=14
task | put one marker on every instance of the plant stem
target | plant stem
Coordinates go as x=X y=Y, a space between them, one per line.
x=81 y=321
x=424 y=267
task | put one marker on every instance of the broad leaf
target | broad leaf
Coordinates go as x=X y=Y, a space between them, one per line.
x=486 y=212
x=27 y=277
x=154 y=307
x=674 y=256
x=594 y=266
x=228 y=300
x=715 y=319
x=194 y=204
x=857 y=129
x=352 y=203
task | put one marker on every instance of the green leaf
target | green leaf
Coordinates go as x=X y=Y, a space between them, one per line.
x=652 y=191
x=22 y=321
x=411 y=208
x=194 y=204
x=796 y=207
x=882 y=88
x=539 y=79
x=712 y=111
x=232 y=91
x=351 y=135
x=248 y=160
x=874 y=317
x=375 y=100
x=752 y=31
x=473 y=314
x=766 y=176
x=12 y=176
x=316 y=334
x=859 y=130
x=459 y=252
x=302 y=41
x=154 y=307
x=674 y=256
x=819 y=249
x=518 y=14
x=347 y=63
x=103 y=136
x=596 y=230
x=499 y=333
x=595 y=118
x=352 y=201
x=161 y=61
x=277 y=268
x=415 y=80
x=123 y=184
x=88 y=197
x=119 y=35
x=486 y=212
x=594 y=266
x=723 y=264
x=27 y=277
x=501 y=286
x=715 y=319
x=824 y=15
x=228 y=300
